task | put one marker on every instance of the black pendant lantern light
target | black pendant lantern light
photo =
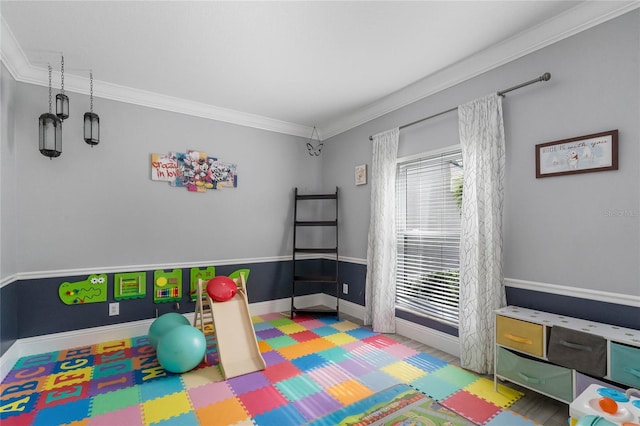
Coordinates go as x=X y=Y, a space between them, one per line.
x=91 y=120
x=50 y=130
x=62 y=100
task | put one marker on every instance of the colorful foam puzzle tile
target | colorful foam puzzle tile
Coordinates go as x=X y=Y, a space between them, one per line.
x=280 y=321
x=304 y=348
x=281 y=342
x=281 y=371
x=509 y=418
x=261 y=400
x=291 y=328
x=375 y=357
x=378 y=380
x=226 y=412
x=297 y=387
x=201 y=376
x=401 y=351
x=325 y=331
x=165 y=407
x=336 y=354
x=403 y=371
x=114 y=401
x=160 y=388
x=329 y=375
x=305 y=335
x=248 y=382
x=360 y=333
x=456 y=375
x=484 y=388
x=426 y=362
x=339 y=339
x=471 y=407
x=379 y=341
x=269 y=333
x=286 y=415
x=317 y=405
x=345 y=326
x=349 y=392
x=272 y=358
x=435 y=387
x=63 y=414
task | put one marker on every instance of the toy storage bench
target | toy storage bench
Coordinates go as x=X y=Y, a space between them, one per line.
x=560 y=356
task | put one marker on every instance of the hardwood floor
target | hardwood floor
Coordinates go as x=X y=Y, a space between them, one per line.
x=539 y=408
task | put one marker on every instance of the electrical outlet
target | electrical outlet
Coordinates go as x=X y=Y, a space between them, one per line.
x=345 y=288
x=114 y=309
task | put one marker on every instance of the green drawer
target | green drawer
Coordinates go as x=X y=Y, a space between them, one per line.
x=547 y=378
x=625 y=364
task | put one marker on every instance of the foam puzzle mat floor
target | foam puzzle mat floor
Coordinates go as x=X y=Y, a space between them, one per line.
x=315 y=367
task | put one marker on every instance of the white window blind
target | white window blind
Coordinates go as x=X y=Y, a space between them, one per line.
x=429 y=196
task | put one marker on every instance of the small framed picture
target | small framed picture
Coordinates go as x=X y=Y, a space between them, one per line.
x=590 y=153
x=361 y=174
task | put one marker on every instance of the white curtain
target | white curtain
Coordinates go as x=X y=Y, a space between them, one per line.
x=380 y=290
x=481 y=276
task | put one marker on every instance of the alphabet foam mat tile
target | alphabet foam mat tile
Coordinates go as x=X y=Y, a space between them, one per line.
x=315 y=367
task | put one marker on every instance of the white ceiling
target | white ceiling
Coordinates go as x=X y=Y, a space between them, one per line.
x=280 y=65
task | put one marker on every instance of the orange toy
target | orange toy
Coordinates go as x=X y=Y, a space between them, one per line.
x=608 y=405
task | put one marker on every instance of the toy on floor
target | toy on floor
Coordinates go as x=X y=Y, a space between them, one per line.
x=602 y=406
x=236 y=341
x=179 y=346
x=221 y=288
x=163 y=324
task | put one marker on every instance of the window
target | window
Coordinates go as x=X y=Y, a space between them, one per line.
x=429 y=198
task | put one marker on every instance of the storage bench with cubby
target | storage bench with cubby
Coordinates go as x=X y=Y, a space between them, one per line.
x=560 y=356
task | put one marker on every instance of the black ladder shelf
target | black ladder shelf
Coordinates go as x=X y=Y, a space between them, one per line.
x=301 y=279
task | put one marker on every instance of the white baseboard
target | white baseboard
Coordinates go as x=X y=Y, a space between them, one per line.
x=430 y=337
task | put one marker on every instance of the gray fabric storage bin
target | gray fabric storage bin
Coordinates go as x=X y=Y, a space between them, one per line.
x=578 y=350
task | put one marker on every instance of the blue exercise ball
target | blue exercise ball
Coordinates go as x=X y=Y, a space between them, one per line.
x=181 y=349
x=163 y=324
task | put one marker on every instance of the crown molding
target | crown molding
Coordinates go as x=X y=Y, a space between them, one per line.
x=22 y=71
x=579 y=18
x=573 y=21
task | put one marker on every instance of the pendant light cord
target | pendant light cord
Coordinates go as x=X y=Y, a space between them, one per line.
x=91 y=91
x=62 y=74
x=49 y=88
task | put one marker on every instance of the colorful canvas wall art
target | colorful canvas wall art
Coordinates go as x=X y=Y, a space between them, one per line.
x=193 y=170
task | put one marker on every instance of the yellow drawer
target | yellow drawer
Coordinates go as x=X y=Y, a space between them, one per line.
x=520 y=335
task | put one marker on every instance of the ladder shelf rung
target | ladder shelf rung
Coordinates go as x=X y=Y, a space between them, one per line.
x=316 y=222
x=315 y=250
x=317 y=197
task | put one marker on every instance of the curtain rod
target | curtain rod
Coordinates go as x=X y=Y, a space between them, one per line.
x=544 y=77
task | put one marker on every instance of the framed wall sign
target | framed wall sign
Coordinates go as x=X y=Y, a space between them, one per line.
x=589 y=153
x=361 y=174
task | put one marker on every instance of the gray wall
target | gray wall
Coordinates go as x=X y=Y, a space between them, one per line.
x=97 y=207
x=7 y=175
x=565 y=230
